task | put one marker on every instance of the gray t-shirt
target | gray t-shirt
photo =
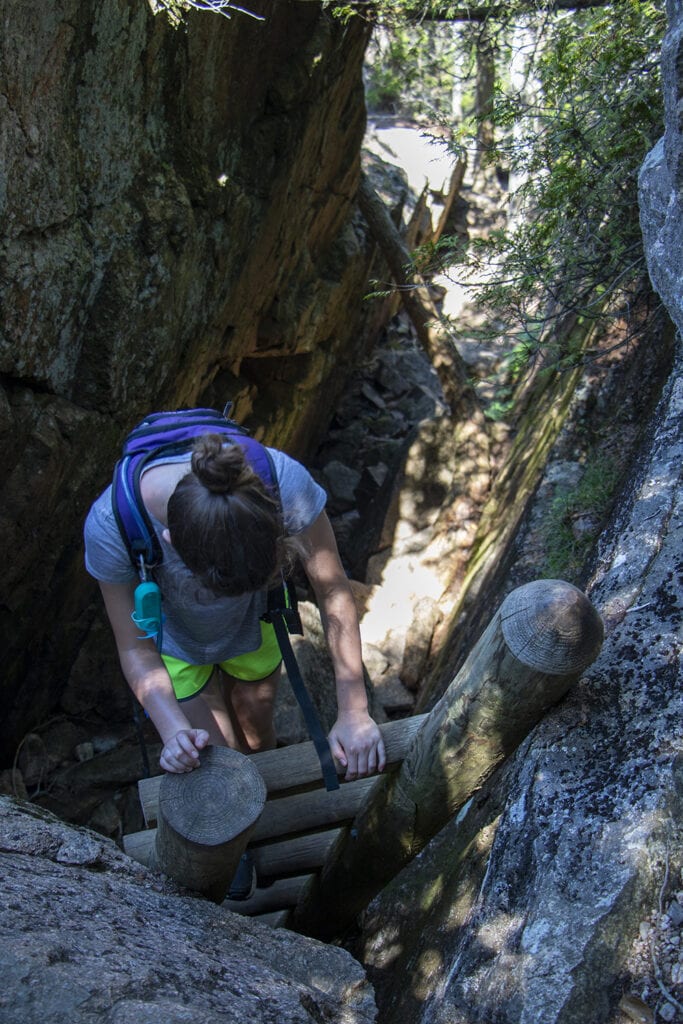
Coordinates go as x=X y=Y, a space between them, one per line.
x=200 y=627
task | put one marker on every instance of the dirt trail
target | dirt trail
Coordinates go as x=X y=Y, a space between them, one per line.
x=385 y=543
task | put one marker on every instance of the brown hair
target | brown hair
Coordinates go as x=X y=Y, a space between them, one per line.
x=224 y=523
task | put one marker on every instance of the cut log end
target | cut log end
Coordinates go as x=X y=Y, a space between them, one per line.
x=217 y=801
x=551 y=626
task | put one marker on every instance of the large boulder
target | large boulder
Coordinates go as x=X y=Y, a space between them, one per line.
x=660 y=192
x=90 y=935
x=178 y=228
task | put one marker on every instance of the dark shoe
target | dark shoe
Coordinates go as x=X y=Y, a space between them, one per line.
x=243 y=884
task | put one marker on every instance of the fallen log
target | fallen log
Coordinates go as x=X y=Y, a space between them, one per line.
x=419 y=305
x=542 y=638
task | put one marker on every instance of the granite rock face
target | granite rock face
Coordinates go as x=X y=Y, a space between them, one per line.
x=178 y=228
x=137 y=948
x=660 y=192
x=525 y=907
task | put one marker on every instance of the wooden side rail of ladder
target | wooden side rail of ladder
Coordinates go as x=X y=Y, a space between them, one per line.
x=299 y=824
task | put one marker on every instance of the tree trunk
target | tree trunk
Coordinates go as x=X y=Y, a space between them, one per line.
x=483 y=95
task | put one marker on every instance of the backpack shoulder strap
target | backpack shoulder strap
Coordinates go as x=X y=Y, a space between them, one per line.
x=313 y=723
x=132 y=518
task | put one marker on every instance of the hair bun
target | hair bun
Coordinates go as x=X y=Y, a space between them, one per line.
x=219 y=467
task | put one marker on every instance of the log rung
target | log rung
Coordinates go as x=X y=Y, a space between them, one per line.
x=317 y=809
x=272 y=860
x=295 y=766
x=293 y=856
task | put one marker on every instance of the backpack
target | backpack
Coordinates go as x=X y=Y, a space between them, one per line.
x=170 y=433
x=173 y=433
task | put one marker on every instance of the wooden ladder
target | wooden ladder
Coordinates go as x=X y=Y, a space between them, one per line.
x=536 y=646
x=300 y=822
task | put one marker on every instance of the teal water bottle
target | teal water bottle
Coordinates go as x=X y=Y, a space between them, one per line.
x=147 y=614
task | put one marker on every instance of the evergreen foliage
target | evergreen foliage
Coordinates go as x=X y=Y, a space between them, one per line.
x=574 y=248
x=570 y=127
x=410 y=68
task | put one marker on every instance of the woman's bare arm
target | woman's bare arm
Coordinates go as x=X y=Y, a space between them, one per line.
x=147 y=677
x=355 y=739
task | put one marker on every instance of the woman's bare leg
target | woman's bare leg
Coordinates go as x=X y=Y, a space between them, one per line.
x=252 y=706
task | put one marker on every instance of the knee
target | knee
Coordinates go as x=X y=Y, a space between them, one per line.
x=257 y=714
x=259 y=742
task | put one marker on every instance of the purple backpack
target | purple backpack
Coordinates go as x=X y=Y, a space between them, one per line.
x=170 y=433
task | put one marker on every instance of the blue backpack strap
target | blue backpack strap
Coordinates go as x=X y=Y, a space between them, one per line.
x=277 y=617
x=131 y=515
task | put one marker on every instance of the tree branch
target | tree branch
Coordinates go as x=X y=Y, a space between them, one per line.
x=483 y=11
x=433 y=336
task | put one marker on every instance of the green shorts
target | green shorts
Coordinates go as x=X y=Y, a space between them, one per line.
x=189 y=680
